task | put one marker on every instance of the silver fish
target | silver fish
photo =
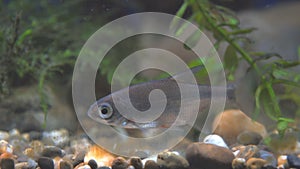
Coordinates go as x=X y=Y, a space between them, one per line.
x=104 y=110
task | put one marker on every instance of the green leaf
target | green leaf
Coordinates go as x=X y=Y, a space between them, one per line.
x=230 y=59
x=23 y=36
x=242 y=31
x=264 y=56
x=287 y=82
x=280 y=73
x=286 y=64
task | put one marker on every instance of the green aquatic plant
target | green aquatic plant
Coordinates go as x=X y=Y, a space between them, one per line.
x=34 y=49
x=224 y=25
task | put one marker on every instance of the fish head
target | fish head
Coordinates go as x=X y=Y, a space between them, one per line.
x=104 y=111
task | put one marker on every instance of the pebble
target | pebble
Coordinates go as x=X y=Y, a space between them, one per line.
x=230 y=123
x=293 y=161
x=45 y=163
x=282 y=160
x=104 y=167
x=58 y=138
x=249 y=137
x=239 y=163
x=7 y=155
x=52 y=151
x=65 y=165
x=5 y=147
x=206 y=156
x=80 y=145
x=151 y=158
x=255 y=163
x=22 y=165
x=284 y=145
x=150 y=164
x=14 y=133
x=32 y=163
x=247 y=152
x=79 y=158
x=4 y=135
x=171 y=160
x=35 y=135
x=269 y=157
x=119 y=163
x=136 y=162
x=216 y=140
x=7 y=163
x=85 y=166
x=93 y=164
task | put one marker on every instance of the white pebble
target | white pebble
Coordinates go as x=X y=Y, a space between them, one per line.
x=216 y=140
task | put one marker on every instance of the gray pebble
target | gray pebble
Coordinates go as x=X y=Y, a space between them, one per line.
x=22 y=165
x=65 y=165
x=249 y=138
x=35 y=135
x=293 y=161
x=169 y=160
x=103 y=167
x=7 y=163
x=93 y=164
x=119 y=163
x=150 y=164
x=136 y=162
x=269 y=157
x=32 y=163
x=45 y=163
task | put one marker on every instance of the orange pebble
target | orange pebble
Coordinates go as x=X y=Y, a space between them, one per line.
x=7 y=155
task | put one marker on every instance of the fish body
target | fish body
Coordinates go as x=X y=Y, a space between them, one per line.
x=105 y=111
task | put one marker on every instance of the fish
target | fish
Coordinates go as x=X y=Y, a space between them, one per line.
x=104 y=110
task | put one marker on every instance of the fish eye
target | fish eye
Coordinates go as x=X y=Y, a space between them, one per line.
x=105 y=110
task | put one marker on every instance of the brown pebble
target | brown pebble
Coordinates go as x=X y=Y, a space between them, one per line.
x=208 y=156
x=150 y=164
x=230 y=123
x=119 y=163
x=7 y=163
x=65 y=165
x=170 y=160
x=136 y=162
x=255 y=163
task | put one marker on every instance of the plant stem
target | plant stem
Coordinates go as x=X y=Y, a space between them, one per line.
x=237 y=47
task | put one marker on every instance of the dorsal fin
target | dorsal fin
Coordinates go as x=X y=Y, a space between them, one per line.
x=194 y=70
